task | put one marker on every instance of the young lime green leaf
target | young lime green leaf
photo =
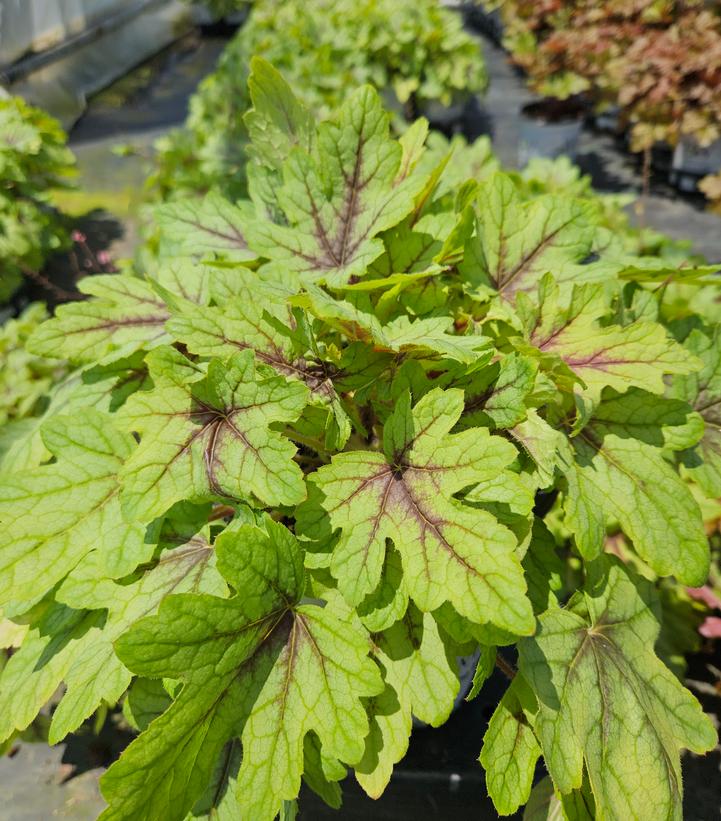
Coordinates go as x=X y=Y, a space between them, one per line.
x=652 y=269
x=619 y=474
x=510 y=749
x=450 y=552
x=276 y=123
x=126 y=314
x=259 y=665
x=496 y=396
x=517 y=242
x=400 y=336
x=408 y=251
x=208 y=436
x=636 y=355
x=340 y=197
x=421 y=681
x=389 y=601
x=606 y=701
x=484 y=669
x=96 y=674
x=212 y=228
x=543 y=443
x=703 y=392
x=56 y=514
x=543 y=568
x=322 y=773
x=146 y=699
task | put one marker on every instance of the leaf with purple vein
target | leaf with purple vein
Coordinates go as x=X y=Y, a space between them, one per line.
x=206 y=435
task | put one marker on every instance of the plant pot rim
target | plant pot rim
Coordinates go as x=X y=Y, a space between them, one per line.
x=554 y=110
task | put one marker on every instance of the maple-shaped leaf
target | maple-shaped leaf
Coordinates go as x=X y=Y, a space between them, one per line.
x=702 y=391
x=211 y=228
x=450 y=552
x=400 y=336
x=606 y=702
x=54 y=515
x=339 y=197
x=125 y=314
x=421 y=681
x=510 y=749
x=84 y=641
x=208 y=435
x=259 y=666
x=602 y=355
x=619 y=474
x=517 y=242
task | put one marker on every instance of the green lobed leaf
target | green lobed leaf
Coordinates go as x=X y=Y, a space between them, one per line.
x=96 y=674
x=600 y=355
x=340 y=197
x=259 y=666
x=406 y=496
x=205 y=436
x=125 y=314
x=54 y=515
x=619 y=474
x=517 y=242
x=510 y=750
x=421 y=681
x=103 y=387
x=606 y=702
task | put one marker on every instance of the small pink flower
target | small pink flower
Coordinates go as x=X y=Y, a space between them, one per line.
x=711 y=628
x=78 y=236
x=706 y=595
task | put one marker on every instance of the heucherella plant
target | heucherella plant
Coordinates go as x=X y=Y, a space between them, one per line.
x=297 y=473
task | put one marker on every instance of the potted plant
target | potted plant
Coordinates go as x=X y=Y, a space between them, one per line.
x=300 y=473
x=552 y=125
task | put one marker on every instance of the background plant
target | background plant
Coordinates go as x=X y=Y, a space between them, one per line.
x=417 y=51
x=670 y=81
x=34 y=160
x=310 y=444
x=573 y=46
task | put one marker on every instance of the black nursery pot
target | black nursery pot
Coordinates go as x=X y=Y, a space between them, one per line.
x=550 y=128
